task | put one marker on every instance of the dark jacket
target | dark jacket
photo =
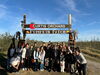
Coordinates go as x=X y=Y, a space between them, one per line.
x=28 y=53
x=48 y=53
x=62 y=56
x=56 y=54
x=8 y=54
x=70 y=58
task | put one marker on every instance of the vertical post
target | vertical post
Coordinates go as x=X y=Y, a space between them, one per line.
x=24 y=22
x=71 y=37
x=24 y=17
x=70 y=19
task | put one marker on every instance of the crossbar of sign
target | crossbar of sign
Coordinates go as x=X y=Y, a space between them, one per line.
x=47 y=31
x=47 y=25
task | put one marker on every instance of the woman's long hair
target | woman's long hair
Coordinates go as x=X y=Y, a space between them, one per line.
x=41 y=49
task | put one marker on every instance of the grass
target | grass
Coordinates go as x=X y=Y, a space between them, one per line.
x=96 y=51
x=90 y=53
x=92 y=58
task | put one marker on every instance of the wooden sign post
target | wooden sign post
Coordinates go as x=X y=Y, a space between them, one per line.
x=31 y=27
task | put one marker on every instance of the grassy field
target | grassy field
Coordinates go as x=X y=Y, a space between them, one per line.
x=92 y=54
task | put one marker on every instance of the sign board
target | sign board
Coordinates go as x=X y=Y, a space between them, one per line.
x=33 y=26
x=47 y=31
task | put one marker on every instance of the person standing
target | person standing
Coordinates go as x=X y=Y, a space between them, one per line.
x=48 y=58
x=81 y=62
x=10 y=54
x=56 y=58
x=62 y=61
x=36 y=57
x=28 y=57
x=41 y=58
x=23 y=56
x=31 y=49
x=72 y=60
x=11 y=51
x=19 y=50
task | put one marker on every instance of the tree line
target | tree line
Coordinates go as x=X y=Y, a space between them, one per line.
x=6 y=39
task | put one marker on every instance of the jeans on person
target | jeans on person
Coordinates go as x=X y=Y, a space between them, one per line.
x=36 y=65
x=83 y=68
x=41 y=66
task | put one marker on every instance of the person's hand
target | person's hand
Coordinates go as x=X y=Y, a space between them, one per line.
x=42 y=63
x=78 y=65
x=78 y=61
x=22 y=61
x=34 y=60
x=58 y=62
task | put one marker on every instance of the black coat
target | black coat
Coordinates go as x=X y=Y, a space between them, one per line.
x=70 y=58
x=56 y=54
x=28 y=53
x=48 y=53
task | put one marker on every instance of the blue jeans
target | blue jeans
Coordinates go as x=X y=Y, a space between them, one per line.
x=36 y=65
x=41 y=66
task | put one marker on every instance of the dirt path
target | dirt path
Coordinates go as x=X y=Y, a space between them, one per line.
x=38 y=73
x=93 y=68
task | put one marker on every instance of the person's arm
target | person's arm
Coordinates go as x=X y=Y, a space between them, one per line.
x=8 y=54
x=83 y=59
x=70 y=51
x=78 y=61
x=34 y=54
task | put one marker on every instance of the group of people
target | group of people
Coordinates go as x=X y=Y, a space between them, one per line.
x=56 y=57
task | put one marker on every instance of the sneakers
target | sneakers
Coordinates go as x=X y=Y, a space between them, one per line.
x=23 y=69
x=62 y=71
x=42 y=70
x=17 y=72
